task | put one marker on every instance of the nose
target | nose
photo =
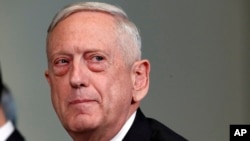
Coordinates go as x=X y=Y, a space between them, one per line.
x=79 y=76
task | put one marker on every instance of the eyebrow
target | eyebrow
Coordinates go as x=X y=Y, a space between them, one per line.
x=87 y=51
x=60 y=52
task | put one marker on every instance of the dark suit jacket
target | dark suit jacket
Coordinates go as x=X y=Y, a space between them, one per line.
x=15 y=136
x=148 y=129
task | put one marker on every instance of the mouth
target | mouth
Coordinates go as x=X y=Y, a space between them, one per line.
x=79 y=101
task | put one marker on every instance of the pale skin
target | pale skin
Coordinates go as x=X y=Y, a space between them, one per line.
x=93 y=90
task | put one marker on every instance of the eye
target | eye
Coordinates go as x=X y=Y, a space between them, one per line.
x=97 y=63
x=97 y=59
x=61 y=66
x=61 y=62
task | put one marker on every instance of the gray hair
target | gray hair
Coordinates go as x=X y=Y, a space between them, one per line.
x=127 y=31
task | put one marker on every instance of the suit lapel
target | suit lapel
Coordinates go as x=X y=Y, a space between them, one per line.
x=15 y=136
x=140 y=130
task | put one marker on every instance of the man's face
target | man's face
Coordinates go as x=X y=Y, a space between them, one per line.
x=91 y=86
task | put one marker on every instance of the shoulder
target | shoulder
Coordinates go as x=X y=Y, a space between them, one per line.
x=148 y=129
x=160 y=132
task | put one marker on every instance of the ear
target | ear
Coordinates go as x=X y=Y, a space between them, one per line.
x=46 y=74
x=140 y=77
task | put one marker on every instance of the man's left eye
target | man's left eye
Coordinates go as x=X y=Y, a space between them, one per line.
x=98 y=58
x=97 y=63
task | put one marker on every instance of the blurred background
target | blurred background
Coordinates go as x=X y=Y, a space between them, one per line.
x=199 y=50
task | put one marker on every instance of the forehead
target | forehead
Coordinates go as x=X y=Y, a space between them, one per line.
x=86 y=21
x=87 y=27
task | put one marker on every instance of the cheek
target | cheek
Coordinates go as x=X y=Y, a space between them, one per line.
x=116 y=100
x=59 y=90
x=118 y=90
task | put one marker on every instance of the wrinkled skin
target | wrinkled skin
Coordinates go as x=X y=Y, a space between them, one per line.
x=93 y=91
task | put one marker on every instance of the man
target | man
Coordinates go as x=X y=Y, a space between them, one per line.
x=97 y=76
x=7 y=130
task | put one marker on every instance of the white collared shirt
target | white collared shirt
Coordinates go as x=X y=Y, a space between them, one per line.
x=124 y=130
x=6 y=130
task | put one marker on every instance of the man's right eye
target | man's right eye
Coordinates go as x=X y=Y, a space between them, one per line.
x=61 y=62
x=60 y=66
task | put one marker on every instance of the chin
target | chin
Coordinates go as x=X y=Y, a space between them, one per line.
x=82 y=122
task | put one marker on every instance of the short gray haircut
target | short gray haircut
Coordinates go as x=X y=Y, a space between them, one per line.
x=129 y=37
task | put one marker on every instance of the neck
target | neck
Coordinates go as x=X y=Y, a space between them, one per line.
x=102 y=133
x=3 y=119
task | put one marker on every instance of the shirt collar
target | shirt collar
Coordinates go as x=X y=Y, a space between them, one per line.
x=124 y=130
x=6 y=130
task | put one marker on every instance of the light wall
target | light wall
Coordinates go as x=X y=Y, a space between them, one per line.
x=199 y=52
